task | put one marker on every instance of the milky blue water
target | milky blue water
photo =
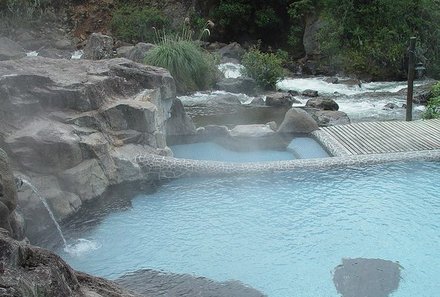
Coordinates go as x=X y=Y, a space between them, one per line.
x=299 y=148
x=280 y=233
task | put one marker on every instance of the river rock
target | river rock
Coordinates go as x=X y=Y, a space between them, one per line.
x=179 y=123
x=98 y=46
x=326 y=118
x=138 y=52
x=251 y=131
x=149 y=282
x=279 y=99
x=310 y=93
x=322 y=103
x=30 y=271
x=297 y=120
x=10 y=49
x=231 y=51
x=245 y=85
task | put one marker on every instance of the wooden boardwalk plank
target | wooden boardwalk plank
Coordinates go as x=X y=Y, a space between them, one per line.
x=386 y=137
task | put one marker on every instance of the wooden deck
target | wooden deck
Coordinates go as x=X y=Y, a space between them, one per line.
x=385 y=137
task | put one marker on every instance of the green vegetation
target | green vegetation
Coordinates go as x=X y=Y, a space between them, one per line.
x=191 y=67
x=265 y=68
x=134 y=24
x=433 y=107
x=372 y=36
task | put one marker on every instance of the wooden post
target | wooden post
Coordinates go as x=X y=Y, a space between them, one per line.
x=411 y=73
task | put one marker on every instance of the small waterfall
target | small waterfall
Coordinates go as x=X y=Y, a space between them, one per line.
x=43 y=200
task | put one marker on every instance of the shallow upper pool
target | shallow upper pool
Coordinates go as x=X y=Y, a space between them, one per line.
x=299 y=148
x=282 y=234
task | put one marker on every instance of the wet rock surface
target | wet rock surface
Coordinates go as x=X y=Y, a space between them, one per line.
x=323 y=103
x=9 y=219
x=297 y=120
x=366 y=277
x=33 y=272
x=64 y=122
x=243 y=85
x=155 y=283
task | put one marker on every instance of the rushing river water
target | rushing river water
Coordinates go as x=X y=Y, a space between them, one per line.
x=364 y=102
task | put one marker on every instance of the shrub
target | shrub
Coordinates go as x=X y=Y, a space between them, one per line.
x=191 y=67
x=265 y=68
x=134 y=24
x=433 y=107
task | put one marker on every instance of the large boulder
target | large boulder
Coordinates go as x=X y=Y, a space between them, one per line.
x=231 y=51
x=251 y=131
x=99 y=46
x=139 y=51
x=64 y=120
x=245 y=85
x=46 y=146
x=322 y=103
x=33 y=272
x=10 y=49
x=179 y=122
x=297 y=120
x=279 y=99
x=326 y=118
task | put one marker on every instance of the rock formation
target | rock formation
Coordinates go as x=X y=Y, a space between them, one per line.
x=28 y=271
x=9 y=219
x=72 y=127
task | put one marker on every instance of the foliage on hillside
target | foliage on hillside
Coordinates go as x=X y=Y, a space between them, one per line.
x=372 y=36
x=191 y=67
x=433 y=107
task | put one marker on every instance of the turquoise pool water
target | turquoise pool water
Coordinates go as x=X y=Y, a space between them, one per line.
x=299 y=148
x=282 y=234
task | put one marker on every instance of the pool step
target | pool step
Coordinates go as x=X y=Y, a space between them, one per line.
x=381 y=137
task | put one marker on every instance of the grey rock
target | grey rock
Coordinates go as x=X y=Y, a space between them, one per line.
x=8 y=199
x=63 y=44
x=297 y=120
x=10 y=49
x=46 y=146
x=257 y=101
x=326 y=118
x=366 y=277
x=279 y=99
x=350 y=82
x=179 y=123
x=131 y=115
x=232 y=50
x=331 y=80
x=87 y=180
x=68 y=118
x=251 y=131
x=323 y=103
x=310 y=93
x=99 y=46
x=150 y=282
x=245 y=85
x=32 y=271
x=122 y=51
x=215 y=131
x=139 y=51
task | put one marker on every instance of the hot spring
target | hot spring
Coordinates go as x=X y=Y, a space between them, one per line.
x=280 y=233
